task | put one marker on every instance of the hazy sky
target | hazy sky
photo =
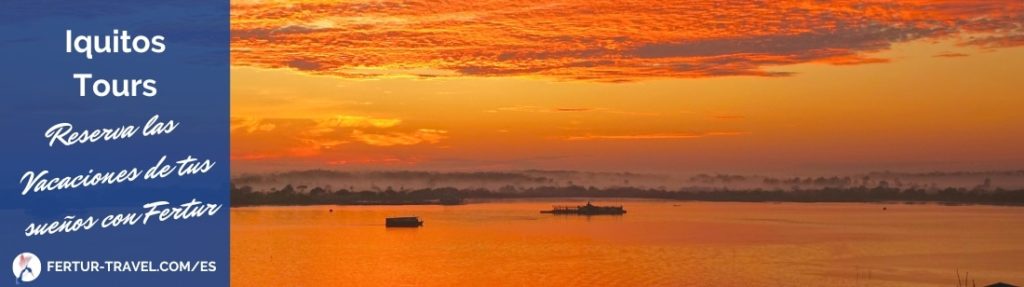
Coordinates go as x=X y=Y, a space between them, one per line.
x=778 y=87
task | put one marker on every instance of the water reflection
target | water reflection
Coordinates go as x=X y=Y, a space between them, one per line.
x=658 y=243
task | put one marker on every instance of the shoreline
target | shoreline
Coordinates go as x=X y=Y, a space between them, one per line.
x=603 y=199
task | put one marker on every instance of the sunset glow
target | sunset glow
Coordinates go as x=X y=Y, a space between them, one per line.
x=716 y=86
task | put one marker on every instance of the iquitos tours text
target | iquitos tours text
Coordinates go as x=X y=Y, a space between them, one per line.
x=63 y=134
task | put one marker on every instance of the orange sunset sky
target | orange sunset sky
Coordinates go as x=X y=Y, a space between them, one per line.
x=642 y=86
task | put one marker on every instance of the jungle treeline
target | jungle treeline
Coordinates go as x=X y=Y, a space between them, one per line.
x=244 y=195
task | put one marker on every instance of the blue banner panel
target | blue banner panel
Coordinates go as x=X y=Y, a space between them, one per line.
x=115 y=128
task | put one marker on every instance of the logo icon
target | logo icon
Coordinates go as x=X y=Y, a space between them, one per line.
x=26 y=267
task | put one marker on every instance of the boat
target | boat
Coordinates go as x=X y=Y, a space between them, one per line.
x=403 y=221
x=588 y=209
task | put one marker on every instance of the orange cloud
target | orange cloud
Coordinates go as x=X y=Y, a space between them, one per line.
x=950 y=55
x=264 y=139
x=656 y=136
x=538 y=109
x=399 y=138
x=328 y=125
x=599 y=40
x=573 y=109
x=250 y=125
x=1001 y=41
x=349 y=121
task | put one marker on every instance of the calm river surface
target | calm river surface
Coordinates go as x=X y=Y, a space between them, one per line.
x=657 y=243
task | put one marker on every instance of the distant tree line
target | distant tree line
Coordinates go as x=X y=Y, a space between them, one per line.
x=303 y=195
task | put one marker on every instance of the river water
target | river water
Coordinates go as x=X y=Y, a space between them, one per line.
x=657 y=243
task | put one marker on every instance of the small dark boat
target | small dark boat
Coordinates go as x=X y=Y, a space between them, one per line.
x=588 y=209
x=404 y=221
